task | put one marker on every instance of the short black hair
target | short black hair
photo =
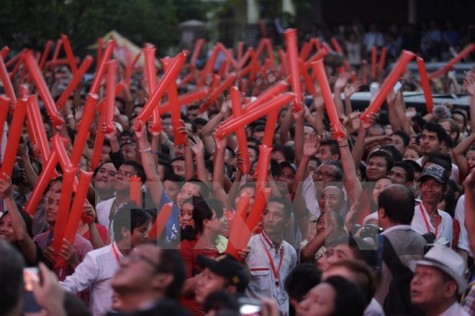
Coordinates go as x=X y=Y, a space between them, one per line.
x=171 y=262
x=287 y=151
x=302 y=279
x=407 y=167
x=440 y=159
x=11 y=277
x=284 y=202
x=398 y=203
x=383 y=154
x=438 y=129
x=334 y=149
x=217 y=207
x=129 y=216
x=349 y=300
x=138 y=169
x=404 y=136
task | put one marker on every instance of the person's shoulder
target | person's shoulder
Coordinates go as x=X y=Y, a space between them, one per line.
x=105 y=203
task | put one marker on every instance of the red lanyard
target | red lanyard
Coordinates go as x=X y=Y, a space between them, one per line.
x=427 y=222
x=275 y=271
x=116 y=253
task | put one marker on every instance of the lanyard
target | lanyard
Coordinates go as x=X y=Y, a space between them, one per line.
x=426 y=222
x=275 y=271
x=115 y=252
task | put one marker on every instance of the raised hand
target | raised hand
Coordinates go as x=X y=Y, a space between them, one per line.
x=352 y=88
x=341 y=82
x=5 y=186
x=311 y=145
x=196 y=145
x=469 y=85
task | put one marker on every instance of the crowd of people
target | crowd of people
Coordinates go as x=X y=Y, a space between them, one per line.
x=379 y=221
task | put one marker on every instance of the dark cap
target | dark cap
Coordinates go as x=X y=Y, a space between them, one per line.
x=228 y=267
x=436 y=172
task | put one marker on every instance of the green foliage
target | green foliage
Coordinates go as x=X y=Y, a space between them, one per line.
x=32 y=22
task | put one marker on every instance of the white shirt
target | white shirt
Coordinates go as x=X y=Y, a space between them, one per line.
x=460 y=216
x=455 y=310
x=421 y=223
x=263 y=282
x=95 y=272
x=103 y=210
x=373 y=309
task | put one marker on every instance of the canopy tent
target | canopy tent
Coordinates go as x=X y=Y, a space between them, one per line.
x=124 y=50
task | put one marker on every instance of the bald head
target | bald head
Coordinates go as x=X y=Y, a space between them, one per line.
x=397 y=202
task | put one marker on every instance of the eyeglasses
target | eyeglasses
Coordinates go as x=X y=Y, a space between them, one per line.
x=325 y=175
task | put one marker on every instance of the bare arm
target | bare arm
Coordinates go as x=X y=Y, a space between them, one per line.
x=458 y=153
x=348 y=92
x=148 y=162
x=340 y=84
x=469 y=85
x=218 y=173
x=299 y=134
x=469 y=185
x=198 y=149
x=27 y=246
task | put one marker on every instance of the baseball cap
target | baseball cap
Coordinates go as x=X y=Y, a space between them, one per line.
x=436 y=172
x=446 y=260
x=228 y=267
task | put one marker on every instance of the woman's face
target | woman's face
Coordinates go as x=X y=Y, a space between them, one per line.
x=410 y=154
x=171 y=189
x=320 y=301
x=186 y=215
x=471 y=158
x=6 y=229
x=380 y=185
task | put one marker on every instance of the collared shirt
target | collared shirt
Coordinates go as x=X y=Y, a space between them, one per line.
x=421 y=223
x=96 y=272
x=309 y=193
x=373 y=309
x=455 y=310
x=468 y=303
x=263 y=281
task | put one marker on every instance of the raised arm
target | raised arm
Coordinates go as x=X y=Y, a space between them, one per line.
x=150 y=167
x=27 y=246
x=299 y=134
x=458 y=153
x=348 y=92
x=340 y=84
x=469 y=86
x=218 y=173
x=198 y=149
x=469 y=185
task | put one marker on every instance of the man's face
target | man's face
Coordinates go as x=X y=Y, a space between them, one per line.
x=137 y=270
x=273 y=218
x=171 y=188
x=431 y=191
x=209 y=282
x=429 y=287
x=325 y=173
x=324 y=153
x=167 y=126
x=397 y=175
x=330 y=199
x=179 y=167
x=278 y=156
x=122 y=177
x=140 y=234
x=192 y=114
x=105 y=176
x=286 y=178
x=51 y=206
x=308 y=131
x=104 y=154
x=430 y=144
x=398 y=143
x=129 y=152
x=187 y=190
x=377 y=168
x=312 y=169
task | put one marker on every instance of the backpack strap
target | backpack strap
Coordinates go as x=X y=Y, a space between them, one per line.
x=391 y=259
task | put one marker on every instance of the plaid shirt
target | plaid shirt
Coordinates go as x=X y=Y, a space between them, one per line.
x=468 y=303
